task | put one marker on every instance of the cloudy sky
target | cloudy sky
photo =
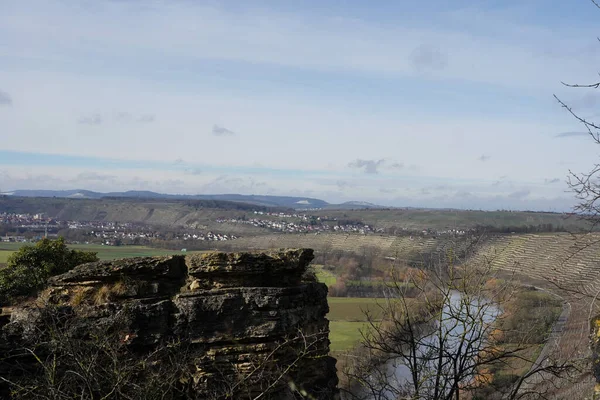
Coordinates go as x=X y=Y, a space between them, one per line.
x=439 y=104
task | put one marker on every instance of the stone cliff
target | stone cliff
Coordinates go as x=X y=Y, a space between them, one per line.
x=224 y=325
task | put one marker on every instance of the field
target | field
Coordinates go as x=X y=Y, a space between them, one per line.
x=324 y=276
x=347 y=318
x=346 y=314
x=104 y=252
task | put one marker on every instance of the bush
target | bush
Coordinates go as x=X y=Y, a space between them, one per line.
x=338 y=289
x=29 y=268
x=529 y=317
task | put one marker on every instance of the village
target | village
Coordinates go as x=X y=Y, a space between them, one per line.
x=32 y=227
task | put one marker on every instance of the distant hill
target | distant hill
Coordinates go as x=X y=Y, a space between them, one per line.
x=265 y=201
x=204 y=213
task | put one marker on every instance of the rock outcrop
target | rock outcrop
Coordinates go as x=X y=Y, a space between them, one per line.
x=244 y=324
x=595 y=346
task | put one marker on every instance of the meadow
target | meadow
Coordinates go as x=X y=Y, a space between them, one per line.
x=104 y=252
x=347 y=316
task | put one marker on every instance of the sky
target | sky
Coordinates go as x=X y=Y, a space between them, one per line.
x=440 y=104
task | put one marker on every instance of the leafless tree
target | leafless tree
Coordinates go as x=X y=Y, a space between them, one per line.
x=443 y=341
x=62 y=358
x=585 y=185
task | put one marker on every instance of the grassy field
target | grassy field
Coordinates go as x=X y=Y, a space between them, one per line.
x=344 y=335
x=324 y=276
x=347 y=318
x=104 y=252
x=346 y=314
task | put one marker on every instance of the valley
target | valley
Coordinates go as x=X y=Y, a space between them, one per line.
x=531 y=248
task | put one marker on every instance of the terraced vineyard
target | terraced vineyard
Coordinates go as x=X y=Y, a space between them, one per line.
x=404 y=247
x=568 y=266
x=558 y=262
x=567 y=260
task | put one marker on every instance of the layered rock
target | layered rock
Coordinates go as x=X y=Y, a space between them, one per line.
x=595 y=346
x=251 y=324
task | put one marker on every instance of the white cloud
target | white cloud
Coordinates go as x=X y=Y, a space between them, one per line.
x=54 y=30
x=59 y=69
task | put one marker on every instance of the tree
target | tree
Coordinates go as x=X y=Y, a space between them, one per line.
x=442 y=333
x=56 y=359
x=29 y=268
x=586 y=185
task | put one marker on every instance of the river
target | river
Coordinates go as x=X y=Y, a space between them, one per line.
x=464 y=325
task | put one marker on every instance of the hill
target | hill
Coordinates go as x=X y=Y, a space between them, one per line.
x=161 y=212
x=267 y=201
x=193 y=212
x=395 y=220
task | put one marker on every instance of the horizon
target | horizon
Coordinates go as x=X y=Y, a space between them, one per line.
x=431 y=105
x=179 y=196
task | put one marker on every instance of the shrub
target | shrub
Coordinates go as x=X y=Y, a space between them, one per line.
x=338 y=289
x=29 y=268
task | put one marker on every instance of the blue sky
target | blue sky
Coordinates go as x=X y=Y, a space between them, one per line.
x=436 y=104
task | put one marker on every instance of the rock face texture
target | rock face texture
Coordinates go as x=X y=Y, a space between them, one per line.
x=595 y=346
x=246 y=325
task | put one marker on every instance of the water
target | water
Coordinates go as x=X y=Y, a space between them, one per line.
x=458 y=336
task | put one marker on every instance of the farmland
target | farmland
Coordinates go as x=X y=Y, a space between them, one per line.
x=347 y=318
x=104 y=252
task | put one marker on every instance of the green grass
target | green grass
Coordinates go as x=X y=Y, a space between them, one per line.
x=353 y=308
x=344 y=335
x=324 y=276
x=112 y=252
x=347 y=318
x=104 y=252
x=4 y=256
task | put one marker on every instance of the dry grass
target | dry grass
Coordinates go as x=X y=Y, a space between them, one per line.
x=107 y=293
x=119 y=289
x=102 y=295
x=80 y=295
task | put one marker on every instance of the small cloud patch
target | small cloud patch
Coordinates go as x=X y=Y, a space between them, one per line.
x=94 y=176
x=368 y=166
x=570 y=134
x=551 y=181
x=123 y=116
x=95 y=119
x=193 y=171
x=146 y=119
x=221 y=131
x=428 y=57
x=520 y=194
x=484 y=158
x=5 y=99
